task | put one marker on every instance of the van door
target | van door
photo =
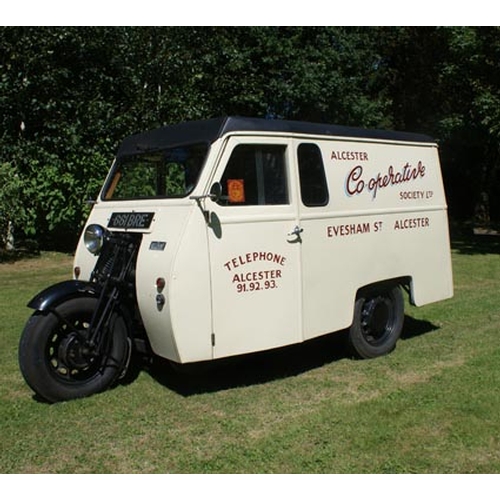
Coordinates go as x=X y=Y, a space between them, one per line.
x=324 y=292
x=254 y=245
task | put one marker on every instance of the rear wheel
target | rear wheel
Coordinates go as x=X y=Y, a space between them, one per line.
x=54 y=356
x=378 y=321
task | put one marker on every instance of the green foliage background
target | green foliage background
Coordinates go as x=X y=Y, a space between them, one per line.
x=68 y=95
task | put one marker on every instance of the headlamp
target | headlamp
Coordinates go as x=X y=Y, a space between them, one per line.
x=94 y=238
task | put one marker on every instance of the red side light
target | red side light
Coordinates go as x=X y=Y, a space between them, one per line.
x=160 y=284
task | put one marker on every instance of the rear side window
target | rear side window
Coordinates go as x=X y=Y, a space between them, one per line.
x=255 y=175
x=313 y=187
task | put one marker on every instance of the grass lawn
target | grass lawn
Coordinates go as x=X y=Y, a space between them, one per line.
x=431 y=406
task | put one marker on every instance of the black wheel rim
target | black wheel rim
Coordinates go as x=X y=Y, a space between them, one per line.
x=67 y=353
x=377 y=319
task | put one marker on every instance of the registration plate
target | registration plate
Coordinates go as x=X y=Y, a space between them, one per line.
x=131 y=220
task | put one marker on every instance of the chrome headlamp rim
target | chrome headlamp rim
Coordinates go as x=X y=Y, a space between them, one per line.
x=94 y=237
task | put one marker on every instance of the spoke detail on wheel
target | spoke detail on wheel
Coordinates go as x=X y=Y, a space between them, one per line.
x=57 y=359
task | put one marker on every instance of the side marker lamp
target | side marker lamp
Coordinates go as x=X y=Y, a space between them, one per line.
x=160 y=298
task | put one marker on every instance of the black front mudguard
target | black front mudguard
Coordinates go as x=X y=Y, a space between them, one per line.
x=55 y=294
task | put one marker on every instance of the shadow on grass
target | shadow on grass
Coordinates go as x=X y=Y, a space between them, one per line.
x=416 y=327
x=470 y=241
x=473 y=245
x=263 y=367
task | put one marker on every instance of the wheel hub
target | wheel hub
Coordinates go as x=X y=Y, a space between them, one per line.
x=375 y=319
x=74 y=352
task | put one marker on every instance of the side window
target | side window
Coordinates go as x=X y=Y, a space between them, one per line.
x=255 y=175
x=313 y=187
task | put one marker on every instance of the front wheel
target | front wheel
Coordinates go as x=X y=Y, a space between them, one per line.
x=378 y=321
x=54 y=356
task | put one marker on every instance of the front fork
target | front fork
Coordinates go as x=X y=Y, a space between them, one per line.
x=110 y=284
x=99 y=327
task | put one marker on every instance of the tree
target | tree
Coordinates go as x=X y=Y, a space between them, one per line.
x=56 y=109
x=444 y=82
x=11 y=209
x=473 y=132
x=69 y=95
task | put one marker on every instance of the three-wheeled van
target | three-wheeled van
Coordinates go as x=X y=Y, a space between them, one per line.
x=228 y=236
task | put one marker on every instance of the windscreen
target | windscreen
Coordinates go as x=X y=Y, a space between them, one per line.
x=169 y=173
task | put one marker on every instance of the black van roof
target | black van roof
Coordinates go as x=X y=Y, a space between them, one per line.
x=208 y=131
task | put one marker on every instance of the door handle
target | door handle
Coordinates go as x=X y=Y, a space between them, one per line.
x=296 y=231
x=295 y=234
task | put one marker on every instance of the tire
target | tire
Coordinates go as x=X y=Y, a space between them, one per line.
x=52 y=358
x=378 y=321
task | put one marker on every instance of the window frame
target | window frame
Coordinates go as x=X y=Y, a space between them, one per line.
x=321 y=172
x=260 y=144
x=161 y=170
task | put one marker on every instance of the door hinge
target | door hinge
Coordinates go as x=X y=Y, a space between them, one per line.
x=213 y=339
